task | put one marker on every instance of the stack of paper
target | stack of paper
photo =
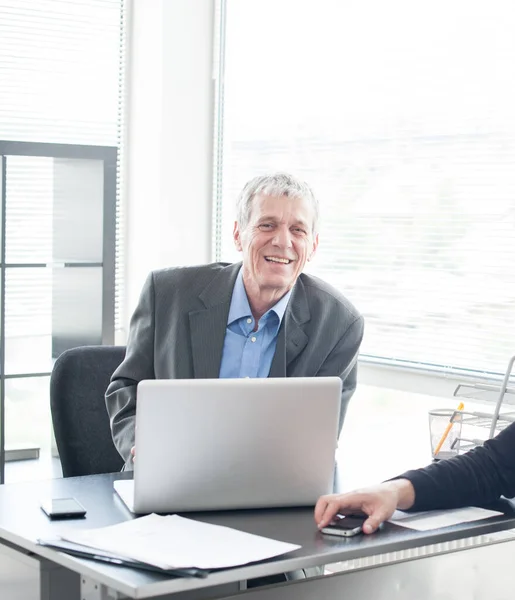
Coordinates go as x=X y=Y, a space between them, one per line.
x=171 y=542
x=424 y=521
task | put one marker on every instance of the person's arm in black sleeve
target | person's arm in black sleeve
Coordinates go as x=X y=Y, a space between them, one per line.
x=137 y=365
x=476 y=478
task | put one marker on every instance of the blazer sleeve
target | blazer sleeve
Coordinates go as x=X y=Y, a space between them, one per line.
x=137 y=365
x=343 y=362
x=476 y=478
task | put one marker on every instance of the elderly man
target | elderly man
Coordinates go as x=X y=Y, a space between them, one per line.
x=259 y=318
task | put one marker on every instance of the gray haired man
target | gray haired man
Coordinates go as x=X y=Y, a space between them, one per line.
x=262 y=317
x=259 y=318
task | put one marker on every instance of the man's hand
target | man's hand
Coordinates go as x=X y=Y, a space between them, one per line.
x=133 y=452
x=378 y=502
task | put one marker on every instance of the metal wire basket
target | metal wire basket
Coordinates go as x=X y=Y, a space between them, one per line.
x=493 y=421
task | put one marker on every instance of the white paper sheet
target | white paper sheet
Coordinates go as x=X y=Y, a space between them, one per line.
x=176 y=542
x=423 y=521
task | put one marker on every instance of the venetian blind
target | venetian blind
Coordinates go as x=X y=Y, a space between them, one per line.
x=401 y=115
x=61 y=81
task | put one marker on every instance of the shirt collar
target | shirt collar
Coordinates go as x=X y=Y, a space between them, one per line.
x=240 y=306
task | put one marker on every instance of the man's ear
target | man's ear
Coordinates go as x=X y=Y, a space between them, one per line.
x=314 y=249
x=237 y=236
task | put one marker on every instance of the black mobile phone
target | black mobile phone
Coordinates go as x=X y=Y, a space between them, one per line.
x=63 y=508
x=345 y=526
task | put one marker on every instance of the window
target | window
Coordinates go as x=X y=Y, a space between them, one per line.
x=401 y=115
x=62 y=92
x=62 y=68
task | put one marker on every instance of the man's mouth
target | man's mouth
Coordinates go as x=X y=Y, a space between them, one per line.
x=278 y=259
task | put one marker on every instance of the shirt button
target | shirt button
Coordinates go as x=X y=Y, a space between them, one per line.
x=249 y=321
x=252 y=339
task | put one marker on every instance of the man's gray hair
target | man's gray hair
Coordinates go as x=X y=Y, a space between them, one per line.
x=275 y=184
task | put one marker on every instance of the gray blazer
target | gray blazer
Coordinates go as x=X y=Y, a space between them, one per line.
x=178 y=328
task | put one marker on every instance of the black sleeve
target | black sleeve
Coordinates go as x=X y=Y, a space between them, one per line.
x=476 y=478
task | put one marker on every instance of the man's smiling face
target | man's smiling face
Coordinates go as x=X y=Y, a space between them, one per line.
x=276 y=242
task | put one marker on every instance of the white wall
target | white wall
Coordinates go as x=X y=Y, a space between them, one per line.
x=170 y=138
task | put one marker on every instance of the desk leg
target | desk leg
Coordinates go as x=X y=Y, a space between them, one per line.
x=92 y=590
x=24 y=576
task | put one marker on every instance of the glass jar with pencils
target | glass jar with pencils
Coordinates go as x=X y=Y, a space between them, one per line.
x=445 y=432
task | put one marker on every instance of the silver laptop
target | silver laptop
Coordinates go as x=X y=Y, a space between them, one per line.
x=212 y=444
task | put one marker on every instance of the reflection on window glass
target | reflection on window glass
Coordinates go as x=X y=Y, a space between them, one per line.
x=28 y=320
x=401 y=116
x=29 y=209
x=27 y=411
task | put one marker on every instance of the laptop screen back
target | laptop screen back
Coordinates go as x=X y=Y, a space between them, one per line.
x=210 y=444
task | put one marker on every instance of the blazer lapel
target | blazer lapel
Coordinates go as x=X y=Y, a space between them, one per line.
x=292 y=337
x=208 y=325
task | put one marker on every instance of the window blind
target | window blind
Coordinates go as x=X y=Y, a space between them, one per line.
x=29 y=210
x=62 y=74
x=119 y=303
x=401 y=115
x=59 y=67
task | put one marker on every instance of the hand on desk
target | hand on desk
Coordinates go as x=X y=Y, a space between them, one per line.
x=378 y=502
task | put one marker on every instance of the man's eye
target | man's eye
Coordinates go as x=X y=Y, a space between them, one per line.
x=299 y=230
x=265 y=226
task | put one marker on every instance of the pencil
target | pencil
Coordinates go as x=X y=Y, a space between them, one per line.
x=461 y=406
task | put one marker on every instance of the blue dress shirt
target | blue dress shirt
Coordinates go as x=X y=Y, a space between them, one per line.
x=248 y=353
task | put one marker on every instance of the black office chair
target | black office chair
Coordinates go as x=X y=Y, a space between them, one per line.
x=81 y=424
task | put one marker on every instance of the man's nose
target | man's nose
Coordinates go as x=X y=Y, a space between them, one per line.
x=282 y=237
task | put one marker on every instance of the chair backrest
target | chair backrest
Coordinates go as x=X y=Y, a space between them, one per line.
x=81 y=424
